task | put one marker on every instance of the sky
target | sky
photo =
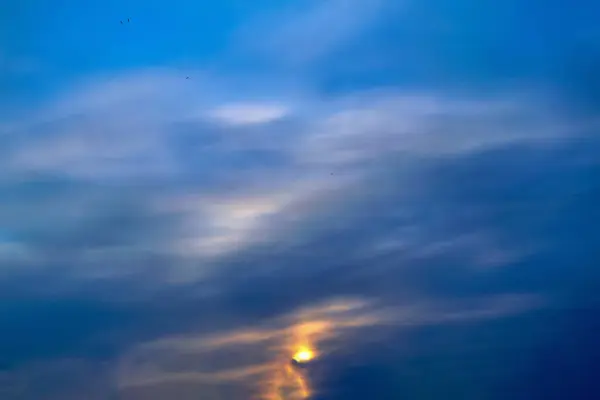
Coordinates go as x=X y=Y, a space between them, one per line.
x=405 y=192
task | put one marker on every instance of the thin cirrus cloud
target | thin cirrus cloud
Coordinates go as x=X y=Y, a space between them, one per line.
x=214 y=209
x=248 y=114
x=119 y=140
x=308 y=31
x=231 y=233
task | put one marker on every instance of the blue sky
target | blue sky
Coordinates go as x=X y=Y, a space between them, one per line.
x=407 y=188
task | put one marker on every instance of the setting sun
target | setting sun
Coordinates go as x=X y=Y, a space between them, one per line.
x=304 y=355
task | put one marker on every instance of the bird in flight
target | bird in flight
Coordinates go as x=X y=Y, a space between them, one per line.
x=187 y=77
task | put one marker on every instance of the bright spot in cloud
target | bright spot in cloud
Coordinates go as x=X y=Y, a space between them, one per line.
x=249 y=114
x=304 y=355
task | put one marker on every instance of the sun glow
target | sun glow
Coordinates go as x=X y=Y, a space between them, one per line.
x=304 y=354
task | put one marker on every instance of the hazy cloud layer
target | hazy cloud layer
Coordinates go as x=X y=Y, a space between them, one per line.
x=408 y=189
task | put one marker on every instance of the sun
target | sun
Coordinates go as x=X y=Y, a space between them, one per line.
x=303 y=355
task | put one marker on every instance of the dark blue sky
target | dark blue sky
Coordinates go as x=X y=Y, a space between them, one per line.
x=407 y=189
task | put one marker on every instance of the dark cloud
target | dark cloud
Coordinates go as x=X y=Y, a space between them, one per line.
x=518 y=196
x=468 y=230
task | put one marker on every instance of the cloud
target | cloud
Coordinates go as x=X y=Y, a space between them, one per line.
x=139 y=125
x=256 y=359
x=248 y=114
x=309 y=31
x=165 y=237
x=129 y=174
x=434 y=186
x=260 y=357
x=427 y=125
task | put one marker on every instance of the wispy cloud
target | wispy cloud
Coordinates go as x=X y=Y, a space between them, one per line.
x=309 y=30
x=183 y=209
x=341 y=192
x=318 y=328
x=125 y=130
x=248 y=114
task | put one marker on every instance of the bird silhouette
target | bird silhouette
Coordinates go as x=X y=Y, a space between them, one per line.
x=127 y=19
x=121 y=22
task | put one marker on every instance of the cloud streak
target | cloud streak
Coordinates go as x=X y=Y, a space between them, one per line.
x=331 y=157
x=103 y=140
x=310 y=30
x=322 y=328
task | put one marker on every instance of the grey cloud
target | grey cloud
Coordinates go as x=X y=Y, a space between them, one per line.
x=291 y=233
x=286 y=186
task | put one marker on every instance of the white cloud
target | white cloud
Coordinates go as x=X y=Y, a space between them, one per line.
x=127 y=126
x=97 y=150
x=248 y=113
x=216 y=225
x=220 y=225
x=424 y=125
